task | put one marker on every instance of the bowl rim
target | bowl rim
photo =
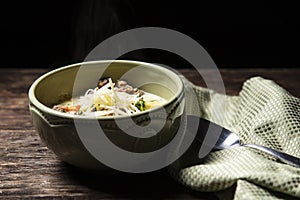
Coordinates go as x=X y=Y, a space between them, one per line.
x=33 y=101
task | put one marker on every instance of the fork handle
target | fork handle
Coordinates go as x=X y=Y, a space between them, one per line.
x=286 y=158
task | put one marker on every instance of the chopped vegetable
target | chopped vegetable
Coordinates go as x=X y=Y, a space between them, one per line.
x=140 y=104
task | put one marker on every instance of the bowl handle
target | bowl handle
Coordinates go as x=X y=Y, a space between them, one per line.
x=35 y=111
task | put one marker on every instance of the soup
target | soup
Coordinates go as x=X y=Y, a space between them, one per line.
x=111 y=99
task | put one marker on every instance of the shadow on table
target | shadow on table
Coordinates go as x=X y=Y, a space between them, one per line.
x=158 y=185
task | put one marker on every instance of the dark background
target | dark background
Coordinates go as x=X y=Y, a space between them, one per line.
x=235 y=33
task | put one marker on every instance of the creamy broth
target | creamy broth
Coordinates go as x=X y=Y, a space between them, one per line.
x=111 y=99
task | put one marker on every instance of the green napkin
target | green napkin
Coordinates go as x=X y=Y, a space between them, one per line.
x=263 y=113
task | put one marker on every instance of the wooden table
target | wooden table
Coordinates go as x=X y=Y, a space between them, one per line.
x=29 y=170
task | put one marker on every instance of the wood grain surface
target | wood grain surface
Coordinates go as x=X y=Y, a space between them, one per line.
x=29 y=170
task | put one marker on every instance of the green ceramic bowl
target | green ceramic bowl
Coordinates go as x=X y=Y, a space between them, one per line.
x=58 y=130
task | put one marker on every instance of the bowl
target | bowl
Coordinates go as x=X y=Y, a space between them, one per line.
x=67 y=135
